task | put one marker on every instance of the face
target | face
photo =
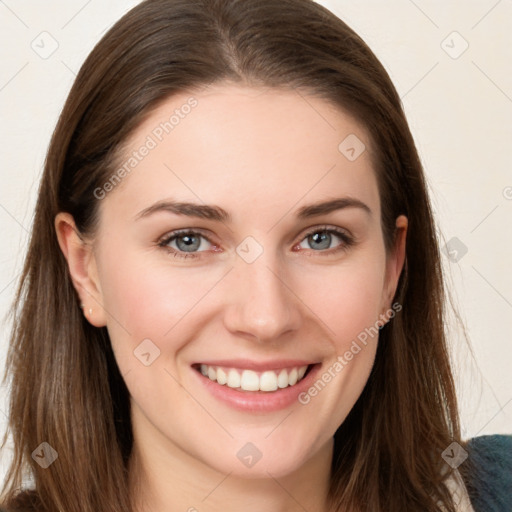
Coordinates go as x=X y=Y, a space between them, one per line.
x=237 y=266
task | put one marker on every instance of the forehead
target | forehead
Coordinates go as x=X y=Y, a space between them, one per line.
x=244 y=147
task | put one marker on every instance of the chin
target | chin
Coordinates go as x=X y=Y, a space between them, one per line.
x=262 y=458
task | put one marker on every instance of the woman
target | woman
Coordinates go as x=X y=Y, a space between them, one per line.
x=233 y=295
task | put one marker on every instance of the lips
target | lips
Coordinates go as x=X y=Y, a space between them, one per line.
x=251 y=375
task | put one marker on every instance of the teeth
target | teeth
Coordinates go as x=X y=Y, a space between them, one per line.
x=268 y=381
x=282 y=379
x=222 y=378
x=233 y=379
x=249 y=380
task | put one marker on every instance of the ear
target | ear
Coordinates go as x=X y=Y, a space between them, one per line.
x=82 y=268
x=395 y=261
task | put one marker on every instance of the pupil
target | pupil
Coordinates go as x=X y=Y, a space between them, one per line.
x=322 y=239
x=187 y=242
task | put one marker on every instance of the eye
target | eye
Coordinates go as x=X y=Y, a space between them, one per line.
x=185 y=243
x=322 y=238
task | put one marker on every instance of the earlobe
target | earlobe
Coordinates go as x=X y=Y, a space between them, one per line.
x=82 y=268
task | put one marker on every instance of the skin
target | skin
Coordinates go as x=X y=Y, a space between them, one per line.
x=260 y=154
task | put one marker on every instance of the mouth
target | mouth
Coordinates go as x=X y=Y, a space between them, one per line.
x=248 y=380
x=254 y=387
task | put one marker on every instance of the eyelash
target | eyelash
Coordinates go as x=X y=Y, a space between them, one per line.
x=347 y=241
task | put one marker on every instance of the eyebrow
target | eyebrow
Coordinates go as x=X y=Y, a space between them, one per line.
x=216 y=213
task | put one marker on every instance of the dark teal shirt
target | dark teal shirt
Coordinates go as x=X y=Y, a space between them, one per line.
x=490 y=482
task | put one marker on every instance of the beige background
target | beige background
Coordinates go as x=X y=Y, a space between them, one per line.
x=459 y=104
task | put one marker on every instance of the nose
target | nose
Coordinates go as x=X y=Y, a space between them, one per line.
x=261 y=304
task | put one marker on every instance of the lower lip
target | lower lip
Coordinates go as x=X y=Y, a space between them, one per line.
x=259 y=401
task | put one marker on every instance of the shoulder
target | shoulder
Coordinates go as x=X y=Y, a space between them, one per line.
x=488 y=477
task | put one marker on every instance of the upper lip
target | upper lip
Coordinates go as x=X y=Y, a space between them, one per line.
x=258 y=366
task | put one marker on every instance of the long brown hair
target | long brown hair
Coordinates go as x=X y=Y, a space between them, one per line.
x=66 y=387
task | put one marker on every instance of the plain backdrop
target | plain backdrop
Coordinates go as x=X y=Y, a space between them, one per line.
x=451 y=64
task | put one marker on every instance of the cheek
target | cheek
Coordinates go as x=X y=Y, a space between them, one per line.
x=346 y=298
x=348 y=303
x=145 y=298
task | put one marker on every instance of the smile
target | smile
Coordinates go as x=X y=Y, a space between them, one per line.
x=250 y=380
x=256 y=386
